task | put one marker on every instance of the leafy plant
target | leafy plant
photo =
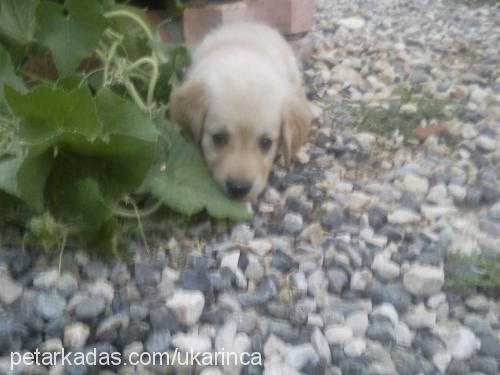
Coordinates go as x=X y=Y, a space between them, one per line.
x=386 y=121
x=468 y=274
x=76 y=149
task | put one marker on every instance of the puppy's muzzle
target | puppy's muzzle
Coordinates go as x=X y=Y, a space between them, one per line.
x=238 y=188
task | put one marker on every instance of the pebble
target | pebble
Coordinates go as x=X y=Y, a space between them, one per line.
x=301 y=355
x=419 y=317
x=338 y=334
x=320 y=344
x=460 y=341
x=49 y=305
x=187 y=305
x=403 y=216
x=416 y=184
x=361 y=279
x=89 y=308
x=76 y=335
x=358 y=322
x=485 y=143
x=351 y=23
x=292 y=223
x=187 y=342
x=423 y=280
x=355 y=348
x=384 y=267
x=10 y=290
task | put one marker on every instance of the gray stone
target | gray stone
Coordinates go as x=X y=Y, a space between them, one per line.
x=90 y=308
x=423 y=280
x=292 y=223
x=10 y=290
x=158 y=341
x=321 y=346
x=301 y=355
x=49 y=305
x=381 y=330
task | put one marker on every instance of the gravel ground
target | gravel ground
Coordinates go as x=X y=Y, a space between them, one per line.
x=341 y=270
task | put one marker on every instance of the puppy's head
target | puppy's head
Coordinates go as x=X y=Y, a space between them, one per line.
x=241 y=135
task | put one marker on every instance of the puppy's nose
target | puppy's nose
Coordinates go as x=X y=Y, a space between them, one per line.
x=238 y=188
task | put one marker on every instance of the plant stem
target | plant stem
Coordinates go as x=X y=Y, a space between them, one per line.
x=135 y=95
x=129 y=214
x=154 y=75
x=138 y=20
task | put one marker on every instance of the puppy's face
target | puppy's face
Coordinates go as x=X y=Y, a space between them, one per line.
x=240 y=151
x=240 y=140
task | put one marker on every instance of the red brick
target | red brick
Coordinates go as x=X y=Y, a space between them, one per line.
x=288 y=16
x=198 y=21
x=302 y=46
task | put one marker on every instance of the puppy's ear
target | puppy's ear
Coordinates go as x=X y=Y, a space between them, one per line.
x=188 y=108
x=295 y=126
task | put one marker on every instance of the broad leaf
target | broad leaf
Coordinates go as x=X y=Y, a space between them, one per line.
x=17 y=20
x=7 y=76
x=70 y=38
x=186 y=185
x=47 y=112
x=9 y=165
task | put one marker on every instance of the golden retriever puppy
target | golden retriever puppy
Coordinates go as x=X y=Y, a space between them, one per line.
x=242 y=100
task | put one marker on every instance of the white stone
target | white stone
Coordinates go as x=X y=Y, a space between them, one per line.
x=187 y=342
x=46 y=279
x=479 y=96
x=187 y=305
x=485 y=143
x=361 y=279
x=260 y=246
x=321 y=346
x=417 y=184
x=366 y=140
x=345 y=74
x=358 y=201
x=441 y=360
x=404 y=336
x=355 y=348
x=421 y=280
x=438 y=194
x=76 y=335
x=351 y=23
x=384 y=267
x=387 y=311
x=432 y=213
x=408 y=108
x=338 y=334
x=358 y=322
x=403 y=216
x=460 y=341
x=419 y=317
x=457 y=192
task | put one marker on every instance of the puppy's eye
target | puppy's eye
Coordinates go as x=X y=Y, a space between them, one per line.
x=265 y=143
x=220 y=139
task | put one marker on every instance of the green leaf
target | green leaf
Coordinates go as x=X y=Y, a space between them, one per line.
x=47 y=112
x=8 y=76
x=121 y=117
x=186 y=185
x=83 y=203
x=9 y=167
x=17 y=20
x=73 y=38
x=32 y=178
